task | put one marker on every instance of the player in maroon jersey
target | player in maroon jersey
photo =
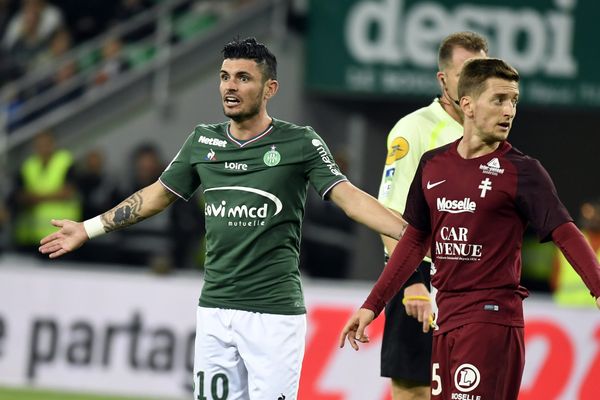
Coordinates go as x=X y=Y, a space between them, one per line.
x=469 y=204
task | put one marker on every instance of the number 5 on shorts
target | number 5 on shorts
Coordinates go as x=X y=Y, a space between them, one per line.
x=218 y=380
x=435 y=378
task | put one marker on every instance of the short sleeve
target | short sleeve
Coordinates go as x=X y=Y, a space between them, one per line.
x=180 y=176
x=537 y=199
x=404 y=150
x=320 y=168
x=417 y=212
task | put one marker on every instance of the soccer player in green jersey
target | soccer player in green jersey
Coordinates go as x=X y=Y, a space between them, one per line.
x=406 y=347
x=254 y=171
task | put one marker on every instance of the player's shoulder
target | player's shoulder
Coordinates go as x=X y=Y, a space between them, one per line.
x=289 y=128
x=438 y=151
x=522 y=161
x=417 y=122
x=211 y=129
x=298 y=134
x=209 y=134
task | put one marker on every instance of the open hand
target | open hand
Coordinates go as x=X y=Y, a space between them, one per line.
x=69 y=237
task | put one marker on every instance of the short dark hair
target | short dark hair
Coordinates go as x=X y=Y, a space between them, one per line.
x=477 y=71
x=249 y=48
x=470 y=41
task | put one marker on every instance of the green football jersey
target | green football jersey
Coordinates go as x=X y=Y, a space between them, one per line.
x=254 y=193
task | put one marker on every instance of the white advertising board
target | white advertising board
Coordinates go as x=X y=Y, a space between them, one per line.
x=132 y=334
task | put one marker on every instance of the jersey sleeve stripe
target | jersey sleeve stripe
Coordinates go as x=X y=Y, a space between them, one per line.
x=331 y=187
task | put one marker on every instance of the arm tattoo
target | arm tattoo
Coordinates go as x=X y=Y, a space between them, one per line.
x=125 y=214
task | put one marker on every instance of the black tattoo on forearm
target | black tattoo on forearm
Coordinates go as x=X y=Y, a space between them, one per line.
x=128 y=212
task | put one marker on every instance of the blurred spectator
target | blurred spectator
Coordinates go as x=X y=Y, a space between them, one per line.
x=327 y=239
x=166 y=240
x=86 y=19
x=45 y=189
x=99 y=192
x=131 y=8
x=59 y=45
x=9 y=70
x=29 y=32
x=112 y=62
x=147 y=243
x=569 y=289
x=29 y=44
x=5 y=13
x=64 y=86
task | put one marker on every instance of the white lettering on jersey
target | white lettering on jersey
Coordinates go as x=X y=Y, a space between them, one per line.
x=243 y=215
x=456 y=206
x=325 y=157
x=236 y=166
x=212 y=141
x=492 y=167
x=454 y=245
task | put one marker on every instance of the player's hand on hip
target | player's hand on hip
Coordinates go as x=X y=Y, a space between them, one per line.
x=417 y=304
x=354 y=329
x=70 y=236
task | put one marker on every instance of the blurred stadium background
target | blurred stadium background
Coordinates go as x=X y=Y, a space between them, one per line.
x=119 y=84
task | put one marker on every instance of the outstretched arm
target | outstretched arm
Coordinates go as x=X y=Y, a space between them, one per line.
x=580 y=255
x=142 y=204
x=407 y=255
x=364 y=208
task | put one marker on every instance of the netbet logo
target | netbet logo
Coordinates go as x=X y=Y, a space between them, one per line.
x=456 y=206
x=243 y=215
x=325 y=157
x=212 y=141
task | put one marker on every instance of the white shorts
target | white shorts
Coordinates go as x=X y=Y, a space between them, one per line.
x=243 y=355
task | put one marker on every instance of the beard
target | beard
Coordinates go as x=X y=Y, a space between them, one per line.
x=244 y=115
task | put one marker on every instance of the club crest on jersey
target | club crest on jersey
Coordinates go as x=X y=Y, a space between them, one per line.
x=397 y=150
x=272 y=157
x=492 y=167
x=211 y=155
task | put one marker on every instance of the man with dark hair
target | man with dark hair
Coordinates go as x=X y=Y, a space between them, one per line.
x=254 y=171
x=406 y=345
x=469 y=204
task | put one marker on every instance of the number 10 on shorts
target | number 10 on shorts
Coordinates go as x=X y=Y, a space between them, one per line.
x=218 y=384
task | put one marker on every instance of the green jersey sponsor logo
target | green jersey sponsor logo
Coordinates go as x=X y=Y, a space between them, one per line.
x=325 y=157
x=272 y=157
x=254 y=211
x=212 y=141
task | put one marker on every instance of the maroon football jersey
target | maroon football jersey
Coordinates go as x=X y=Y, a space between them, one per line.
x=476 y=211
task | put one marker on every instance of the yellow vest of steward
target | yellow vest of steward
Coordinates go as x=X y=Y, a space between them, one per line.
x=34 y=223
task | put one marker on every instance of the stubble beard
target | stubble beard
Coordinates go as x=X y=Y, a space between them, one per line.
x=243 y=116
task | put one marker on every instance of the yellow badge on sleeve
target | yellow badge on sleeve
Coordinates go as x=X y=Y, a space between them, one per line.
x=397 y=150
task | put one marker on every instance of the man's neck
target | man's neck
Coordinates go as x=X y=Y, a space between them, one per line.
x=471 y=146
x=246 y=130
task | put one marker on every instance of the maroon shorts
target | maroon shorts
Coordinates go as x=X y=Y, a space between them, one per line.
x=478 y=361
